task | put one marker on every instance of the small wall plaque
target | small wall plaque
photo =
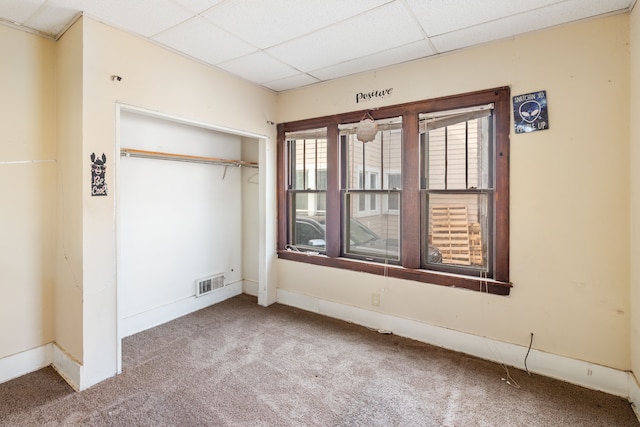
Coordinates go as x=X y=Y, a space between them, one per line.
x=530 y=112
x=98 y=171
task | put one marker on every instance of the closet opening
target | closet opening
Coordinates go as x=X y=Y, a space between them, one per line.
x=190 y=219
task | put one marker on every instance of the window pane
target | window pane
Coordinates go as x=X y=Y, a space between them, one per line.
x=301 y=202
x=374 y=236
x=368 y=162
x=458 y=156
x=457 y=150
x=393 y=202
x=308 y=159
x=392 y=160
x=307 y=188
x=373 y=185
x=394 y=180
x=322 y=185
x=362 y=203
x=458 y=226
x=299 y=182
x=321 y=177
x=308 y=221
x=355 y=170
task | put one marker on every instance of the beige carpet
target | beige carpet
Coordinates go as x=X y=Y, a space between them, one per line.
x=239 y=364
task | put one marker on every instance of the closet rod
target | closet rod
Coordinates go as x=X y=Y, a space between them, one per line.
x=158 y=155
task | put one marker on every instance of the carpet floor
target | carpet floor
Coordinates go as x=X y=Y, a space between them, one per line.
x=240 y=364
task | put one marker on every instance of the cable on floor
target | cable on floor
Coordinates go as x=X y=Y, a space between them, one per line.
x=525 y=357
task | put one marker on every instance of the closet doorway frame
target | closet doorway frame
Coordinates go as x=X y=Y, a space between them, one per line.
x=266 y=205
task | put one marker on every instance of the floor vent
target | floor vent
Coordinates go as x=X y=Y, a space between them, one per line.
x=208 y=284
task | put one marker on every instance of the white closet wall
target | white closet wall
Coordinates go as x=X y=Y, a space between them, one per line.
x=250 y=218
x=178 y=221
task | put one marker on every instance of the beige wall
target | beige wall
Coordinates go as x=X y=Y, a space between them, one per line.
x=27 y=190
x=635 y=191
x=569 y=193
x=69 y=285
x=58 y=258
x=158 y=80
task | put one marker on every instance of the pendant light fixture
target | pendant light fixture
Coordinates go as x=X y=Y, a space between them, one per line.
x=367 y=129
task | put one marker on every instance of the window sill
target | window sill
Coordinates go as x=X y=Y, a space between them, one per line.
x=436 y=278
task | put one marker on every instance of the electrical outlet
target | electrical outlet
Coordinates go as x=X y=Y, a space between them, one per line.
x=375 y=300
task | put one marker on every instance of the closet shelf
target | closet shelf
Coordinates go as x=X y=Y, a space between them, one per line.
x=158 y=155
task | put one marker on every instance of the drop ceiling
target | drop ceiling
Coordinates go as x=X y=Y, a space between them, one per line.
x=285 y=44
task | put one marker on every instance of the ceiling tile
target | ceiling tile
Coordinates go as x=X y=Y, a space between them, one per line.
x=19 y=12
x=357 y=37
x=419 y=49
x=203 y=40
x=259 y=68
x=439 y=17
x=52 y=19
x=580 y=9
x=144 y=17
x=567 y=11
x=268 y=23
x=292 y=82
x=306 y=41
x=198 y=6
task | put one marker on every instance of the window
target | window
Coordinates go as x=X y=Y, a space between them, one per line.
x=306 y=187
x=394 y=182
x=426 y=200
x=370 y=231
x=457 y=188
x=367 y=203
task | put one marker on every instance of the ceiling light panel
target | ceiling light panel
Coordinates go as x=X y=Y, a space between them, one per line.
x=411 y=51
x=268 y=23
x=19 y=12
x=259 y=68
x=204 y=41
x=360 y=36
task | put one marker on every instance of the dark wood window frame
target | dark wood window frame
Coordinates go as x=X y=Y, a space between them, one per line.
x=410 y=198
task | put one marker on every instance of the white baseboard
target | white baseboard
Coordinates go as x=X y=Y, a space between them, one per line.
x=25 y=362
x=71 y=370
x=634 y=394
x=157 y=316
x=37 y=358
x=250 y=287
x=597 y=377
x=67 y=367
